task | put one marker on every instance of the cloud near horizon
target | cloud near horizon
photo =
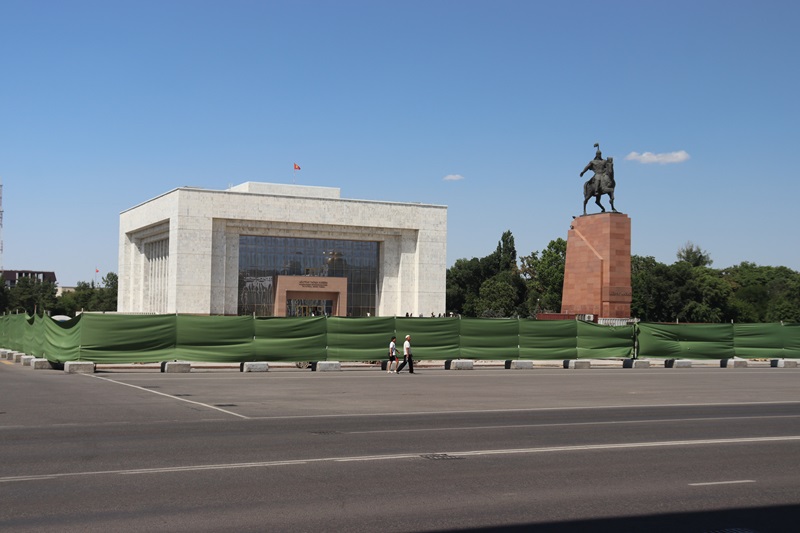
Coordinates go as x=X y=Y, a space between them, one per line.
x=662 y=159
x=453 y=177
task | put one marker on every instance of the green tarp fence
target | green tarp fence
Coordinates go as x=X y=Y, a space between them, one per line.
x=719 y=341
x=686 y=341
x=112 y=338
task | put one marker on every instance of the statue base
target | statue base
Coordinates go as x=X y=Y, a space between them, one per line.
x=597 y=274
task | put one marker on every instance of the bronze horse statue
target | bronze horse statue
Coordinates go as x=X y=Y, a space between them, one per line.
x=601 y=183
x=590 y=189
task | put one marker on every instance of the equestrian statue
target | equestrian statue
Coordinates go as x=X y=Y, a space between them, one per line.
x=601 y=183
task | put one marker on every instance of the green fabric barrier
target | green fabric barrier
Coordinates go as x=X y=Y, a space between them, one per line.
x=27 y=335
x=431 y=338
x=127 y=338
x=17 y=327
x=604 y=342
x=62 y=340
x=766 y=340
x=137 y=338
x=290 y=339
x=489 y=338
x=548 y=339
x=359 y=339
x=32 y=345
x=792 y=342
x=686 y=341
x=221 y=339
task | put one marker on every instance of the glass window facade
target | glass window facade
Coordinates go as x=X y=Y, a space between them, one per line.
x=263 y=259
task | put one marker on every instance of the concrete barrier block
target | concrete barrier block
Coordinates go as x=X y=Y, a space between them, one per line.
x=4 y=354
x=638 y=363
x=18 y=357
x=177 y=367
x=783 y=363
x=254 y=366
x=26 y=360
x=733 y=363
x=521 y=364
x=41 y=364
x=683 y=363
x=328 y=366
x=79 y=367
x=577 y=363
x=462 y=364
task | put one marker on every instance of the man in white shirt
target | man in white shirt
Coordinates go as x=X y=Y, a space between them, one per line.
x=407 y=357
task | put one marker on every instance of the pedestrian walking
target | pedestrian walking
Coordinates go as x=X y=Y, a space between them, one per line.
x=407 y=357
x=392 y=356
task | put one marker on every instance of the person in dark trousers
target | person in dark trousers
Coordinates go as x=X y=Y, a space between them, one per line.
x=407 y=357
x=392 y=356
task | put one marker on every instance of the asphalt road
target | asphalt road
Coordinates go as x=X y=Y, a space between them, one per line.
x=359 y=450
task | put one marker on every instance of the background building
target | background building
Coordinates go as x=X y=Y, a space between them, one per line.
x=277 y=250
x=10 y=277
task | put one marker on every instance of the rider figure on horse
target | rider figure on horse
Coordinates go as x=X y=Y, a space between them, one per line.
x=602 y=182
x=603 y=171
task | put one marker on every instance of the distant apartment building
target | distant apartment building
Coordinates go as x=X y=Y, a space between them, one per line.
x=11 y=277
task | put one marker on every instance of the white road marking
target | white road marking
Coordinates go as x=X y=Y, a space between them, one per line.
x=168 y=396
x=525 y=410
x=473 y=453
x=569 y=424
x=722 y=482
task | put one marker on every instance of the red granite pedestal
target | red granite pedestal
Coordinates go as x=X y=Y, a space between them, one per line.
x=597 y=274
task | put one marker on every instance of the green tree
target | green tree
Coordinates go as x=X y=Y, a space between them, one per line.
x=105 y=297
x=704 y=297
x=464 y=281
x=5 y=295
x=497 y=298
x=544 y=277
x=77 y=300
x=88 y=297
x=763 y=293
x=651 y=286
x=32 y=296
x=694 y=255
x=466 y=278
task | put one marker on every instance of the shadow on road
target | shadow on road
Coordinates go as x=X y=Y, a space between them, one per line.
x=778 y=519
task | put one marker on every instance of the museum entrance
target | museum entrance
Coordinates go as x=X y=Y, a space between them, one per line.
x=309 y=307
x=310 y=296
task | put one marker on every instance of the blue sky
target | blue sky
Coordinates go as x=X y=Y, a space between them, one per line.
x=488 y=107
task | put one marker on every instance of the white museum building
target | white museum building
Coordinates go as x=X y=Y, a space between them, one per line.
x=281 y=250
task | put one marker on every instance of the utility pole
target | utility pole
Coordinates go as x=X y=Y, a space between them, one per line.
x=1 y=226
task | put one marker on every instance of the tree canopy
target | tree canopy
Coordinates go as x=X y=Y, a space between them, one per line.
x=31 y=296
x=689 y=290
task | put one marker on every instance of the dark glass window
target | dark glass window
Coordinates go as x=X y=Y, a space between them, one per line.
x=262 y=259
